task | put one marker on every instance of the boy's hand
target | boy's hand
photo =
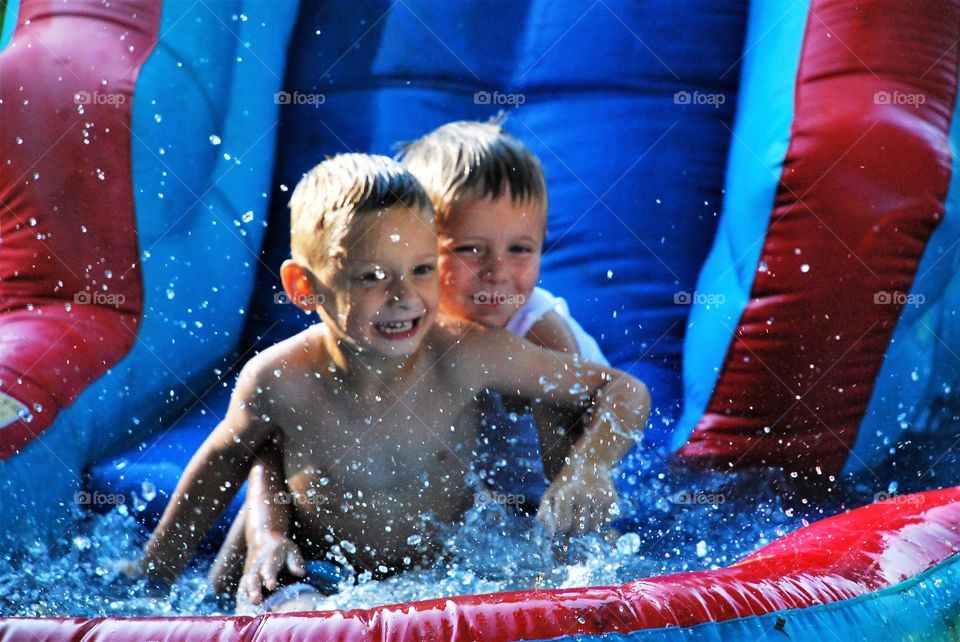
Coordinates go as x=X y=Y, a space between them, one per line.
x=266 y=559
x=132 y=568
x=139 y=569
x=579 y=500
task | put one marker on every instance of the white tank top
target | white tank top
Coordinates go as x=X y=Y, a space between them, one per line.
x=541 y=302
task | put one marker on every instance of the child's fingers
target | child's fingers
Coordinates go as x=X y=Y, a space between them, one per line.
x=564 y=517
x=295 y=563
x=546 y=516
x=587 y=518
x=250 y=584
x=132 y=568
x=270 y=570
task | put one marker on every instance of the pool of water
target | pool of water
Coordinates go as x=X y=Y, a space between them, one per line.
x=683 y=527
x=680 y=521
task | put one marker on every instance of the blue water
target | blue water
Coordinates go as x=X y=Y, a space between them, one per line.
x=684 y=527
x=681 y=521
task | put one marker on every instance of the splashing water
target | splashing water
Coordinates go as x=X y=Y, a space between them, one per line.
x=679 y=522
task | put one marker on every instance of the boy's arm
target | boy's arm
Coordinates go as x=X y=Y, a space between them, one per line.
x=617 y=404
x=557 y=429
x=269 y=546
x=210 y=481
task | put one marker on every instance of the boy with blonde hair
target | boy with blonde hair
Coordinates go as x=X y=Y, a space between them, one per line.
x=490 y=197
x=369 y=407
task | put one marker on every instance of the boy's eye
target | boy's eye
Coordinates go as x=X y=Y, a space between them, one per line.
x=425 y=268
x=521 y=249
x=372 y=276
x=466 y=249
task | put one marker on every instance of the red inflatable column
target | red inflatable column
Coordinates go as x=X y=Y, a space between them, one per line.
x=862 y=189
x=71 y=295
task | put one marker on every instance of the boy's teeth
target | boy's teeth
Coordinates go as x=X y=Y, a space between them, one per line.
x=396 y=326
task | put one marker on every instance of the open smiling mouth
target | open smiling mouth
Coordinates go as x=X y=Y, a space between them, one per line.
x=396 y=330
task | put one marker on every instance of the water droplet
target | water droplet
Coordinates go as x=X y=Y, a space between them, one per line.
x=577 y=389
x=628 y=544
x=247 y=216
x=547 y=384
x=214 y=139
x=413 y=540
x=805 y=268
x=395 y=238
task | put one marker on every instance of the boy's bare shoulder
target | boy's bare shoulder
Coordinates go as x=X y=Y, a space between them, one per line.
x=294 y=355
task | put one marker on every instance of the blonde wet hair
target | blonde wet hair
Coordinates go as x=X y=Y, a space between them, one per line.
x=328 y=200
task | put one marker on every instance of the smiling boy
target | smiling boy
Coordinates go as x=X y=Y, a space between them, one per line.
x=369 y=405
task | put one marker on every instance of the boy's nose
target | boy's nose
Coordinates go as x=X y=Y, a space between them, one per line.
x=401 y=292
x=494 y=270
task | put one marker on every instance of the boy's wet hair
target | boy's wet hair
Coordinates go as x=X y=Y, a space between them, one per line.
x=331 y=195
x=469 y=159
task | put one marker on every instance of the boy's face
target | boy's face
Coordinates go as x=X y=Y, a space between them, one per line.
x=490 y=258
x=381 y=292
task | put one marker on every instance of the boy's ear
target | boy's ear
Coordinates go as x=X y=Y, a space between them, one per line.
x=298 y=282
